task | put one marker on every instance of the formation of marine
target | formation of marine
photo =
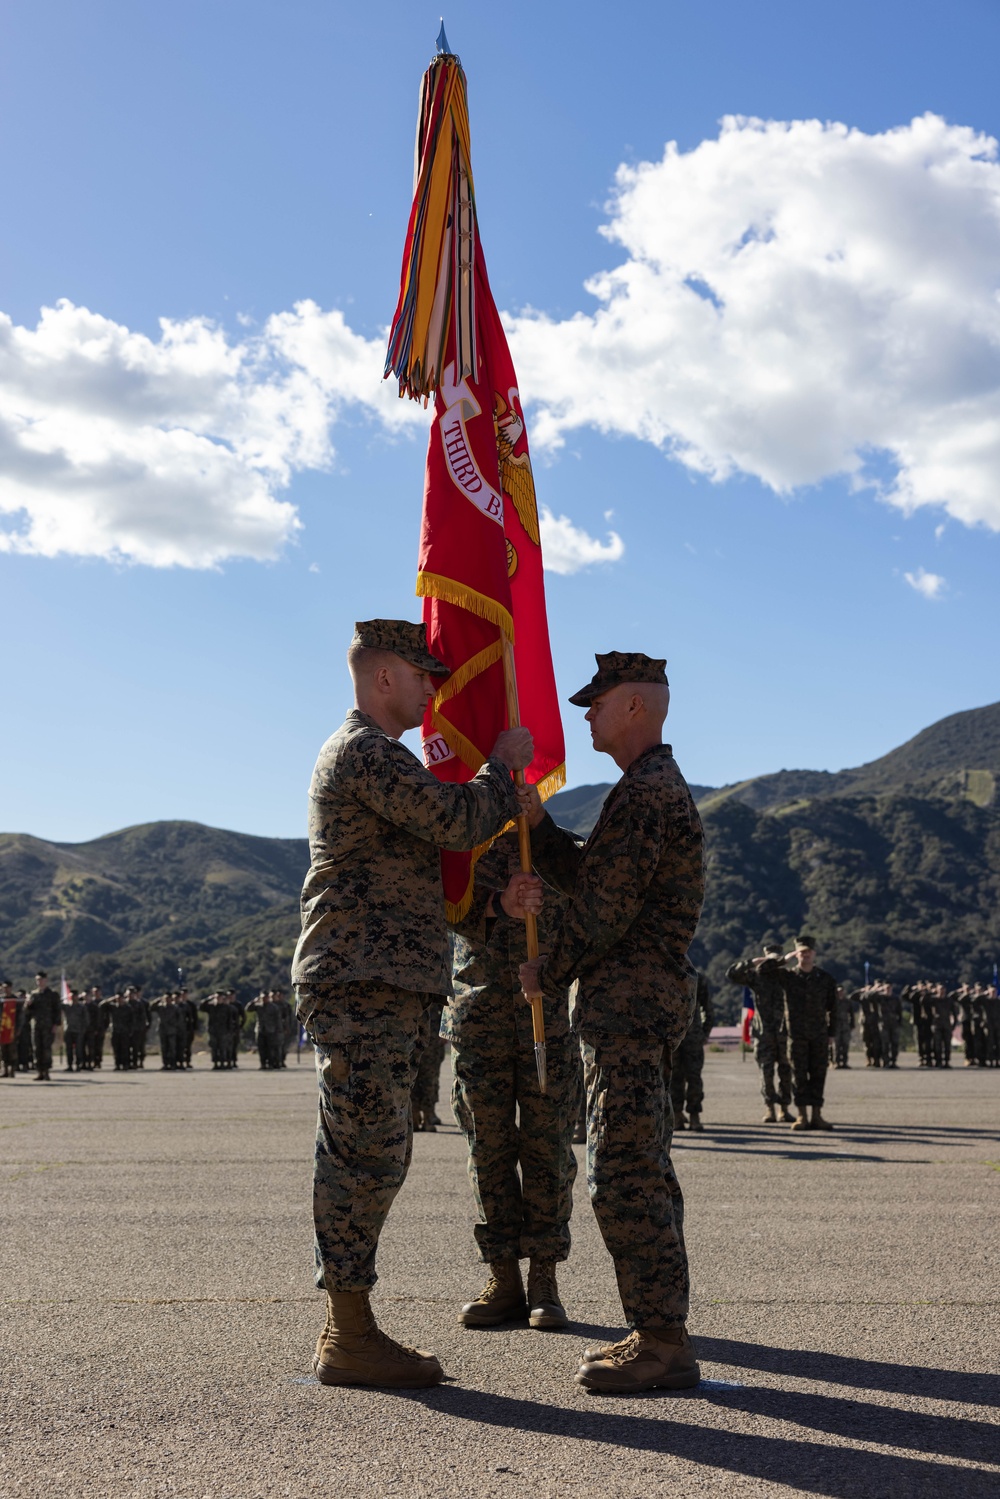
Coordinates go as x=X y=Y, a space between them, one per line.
x=935 y=1012
x=31 y=1022
x=778 y=1020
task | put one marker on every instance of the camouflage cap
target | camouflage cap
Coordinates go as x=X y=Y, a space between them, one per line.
x=403 y=639
x=617 y=667
x=805 y=941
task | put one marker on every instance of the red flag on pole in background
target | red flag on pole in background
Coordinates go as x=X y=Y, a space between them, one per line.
x=746 y=1035
x=480 y=559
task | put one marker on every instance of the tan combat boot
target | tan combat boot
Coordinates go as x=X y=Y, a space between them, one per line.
x=544 y=1307
x=694 y=1122
x=786 y=1116
x=500 y=1300
x=770 y=1117
x=660 y=1358
x=353 y=1351
x=818 y=1122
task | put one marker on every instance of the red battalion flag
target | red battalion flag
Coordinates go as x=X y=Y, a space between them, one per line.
x=480 y=560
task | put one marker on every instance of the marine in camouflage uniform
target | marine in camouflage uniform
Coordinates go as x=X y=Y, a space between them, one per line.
x=845 y=1023
x=687 y=1063
x=428 y=1059
x=890 y=1017
x=217 y=1019
x=507 y=1122
x=98 y=1027
x=871 y=1033
x=188 y=1028
x=74 y=1031
x=270 y=1030
x=636 y=890
x=171 y=1027
x=120 y=1019
x=372 y=955
x=25 y=1053
x=989 y=1005
x=44 y=1011
x=141 y=1019
x=770 y=1038
x=289 y=1025
x=944 y=1015
x=234 y=1030
x=917 y=997
x=810 y=1015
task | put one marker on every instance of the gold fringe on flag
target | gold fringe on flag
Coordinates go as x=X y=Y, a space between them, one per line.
x=434 y=586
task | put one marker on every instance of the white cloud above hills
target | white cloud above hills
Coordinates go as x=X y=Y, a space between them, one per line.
x=796 y=301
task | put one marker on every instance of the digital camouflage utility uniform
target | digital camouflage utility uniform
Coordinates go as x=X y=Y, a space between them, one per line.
x=636 y=890
x=944 y=1015
x=770 y=1037
x=44 y=1011
x=373 y=954
x=871 y=1033
x=427 y=1060
x=74 y=1033
x=687 y=1063
x=844 y=1027
x=890 y=1019
x=810 y=1015
x=493 y=1054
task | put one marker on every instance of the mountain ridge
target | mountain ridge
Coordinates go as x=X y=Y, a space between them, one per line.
x=959 y=753
x=896 y=862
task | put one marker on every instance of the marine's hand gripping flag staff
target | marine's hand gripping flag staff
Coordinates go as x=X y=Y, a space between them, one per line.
x=480 y=562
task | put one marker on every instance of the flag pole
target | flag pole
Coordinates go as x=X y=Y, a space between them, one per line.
x=524 y=846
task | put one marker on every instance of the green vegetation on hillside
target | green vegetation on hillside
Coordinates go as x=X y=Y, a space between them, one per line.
x=897 y=862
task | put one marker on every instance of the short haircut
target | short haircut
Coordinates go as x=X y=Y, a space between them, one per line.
x=365 y=660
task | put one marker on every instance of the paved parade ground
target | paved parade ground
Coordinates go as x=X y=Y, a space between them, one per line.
x=159 y=1318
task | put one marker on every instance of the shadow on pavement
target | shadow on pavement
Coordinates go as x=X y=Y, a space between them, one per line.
x=812 y=1467
x=925 y=1134
x=865 y=1374
x=792 y=1154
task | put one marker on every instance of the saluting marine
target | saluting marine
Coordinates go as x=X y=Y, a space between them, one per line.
x=770 y=1035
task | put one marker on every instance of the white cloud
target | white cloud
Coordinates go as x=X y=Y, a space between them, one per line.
x=931 y=585
x=797 y=299
x=173 y=451
x=567 y=549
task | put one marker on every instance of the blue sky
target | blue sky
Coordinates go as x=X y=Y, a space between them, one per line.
x=216 y=164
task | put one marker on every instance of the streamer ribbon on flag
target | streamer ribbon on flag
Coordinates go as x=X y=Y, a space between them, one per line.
x=479 y=568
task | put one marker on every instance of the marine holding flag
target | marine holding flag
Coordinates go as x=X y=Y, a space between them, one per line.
x=373 y=952
x=480 y=575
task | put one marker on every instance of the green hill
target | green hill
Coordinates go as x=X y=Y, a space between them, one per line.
x=896 y=862
x=137 y=905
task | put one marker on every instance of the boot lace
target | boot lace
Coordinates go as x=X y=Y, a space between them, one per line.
x=542 y=1285
x=493 y=1289
x=390 y=1346
x=621 y=1353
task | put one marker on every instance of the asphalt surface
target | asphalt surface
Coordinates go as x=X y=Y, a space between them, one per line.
x=159 y=1318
